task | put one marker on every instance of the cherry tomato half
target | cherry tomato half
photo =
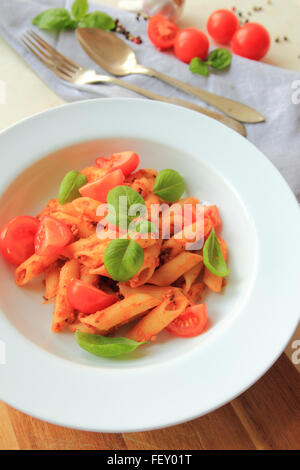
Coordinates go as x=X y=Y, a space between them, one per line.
x=213 y=213
x=125 y=161
x=221 y=25
x=100 y=188
x=191 y=323
x=190 y=43
x=17 y=238
x=88 y=299
x=161 y=32
x=52 y=236
x=252 y=40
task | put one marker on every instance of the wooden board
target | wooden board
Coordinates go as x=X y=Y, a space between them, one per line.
x=267 y=416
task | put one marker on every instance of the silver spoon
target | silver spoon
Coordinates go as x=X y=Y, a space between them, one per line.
x=117 y=58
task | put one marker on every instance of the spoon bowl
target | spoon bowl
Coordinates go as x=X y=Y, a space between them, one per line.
x=118 y=58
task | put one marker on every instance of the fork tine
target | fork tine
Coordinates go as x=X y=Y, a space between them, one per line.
x=52 y=60
x=50 y=66
x=57 y=61
x=74 y=67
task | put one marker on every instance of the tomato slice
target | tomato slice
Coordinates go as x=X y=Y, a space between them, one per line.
x=125 y=161
x=88 y=299
x=191 y=323
x=52 y=236
x=100 y=188
x=162 y=32
x=17 y=238
x=213 y=213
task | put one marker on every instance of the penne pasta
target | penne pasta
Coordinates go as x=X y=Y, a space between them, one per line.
x=151 y=324
x=121 y=312
x=155 y=291
x=151 y=261
x=196 y=291
x=63 y=311
x=51 y=280
x=93 y=173
x=87 y=276
x=191 y=276
x=172 y=270
x=32 y=267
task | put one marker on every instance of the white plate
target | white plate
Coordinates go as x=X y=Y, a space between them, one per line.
x=173 y=380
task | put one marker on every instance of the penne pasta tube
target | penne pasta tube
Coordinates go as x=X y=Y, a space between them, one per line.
x=151 y=324
x=157 y=292
x=213 y=282
x=121 y=312
x=196 y=291
x=172 y=270
x=51 y=280
x=191 y=276
x=87 y=276
x=93 y=173
x=151 y=261
x=63 y=311
x=77 y=325
x=50 y=207
x=32 y=267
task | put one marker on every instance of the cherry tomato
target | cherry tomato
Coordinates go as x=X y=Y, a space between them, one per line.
x=88 y=299
x=190 y=43
x=125 y=161
x=161 y=32
x=221 y=25
x=52 y=236
x=252 y=40
x=191 y=323
x=99 y=189
x=213 y=213
x=17 y=238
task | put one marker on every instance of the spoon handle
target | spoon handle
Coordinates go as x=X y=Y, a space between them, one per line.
x=234 y=109
x=232 y=123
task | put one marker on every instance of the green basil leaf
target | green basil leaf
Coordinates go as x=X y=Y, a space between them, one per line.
x=98 y=19
x=69 y=187
x=169 y=185
x=198 y=66
x=145 y=226
x=54 y=19
x=212 y=256
x=80 y=9
x=219 y=59
x=124 y=199
x=123 y=259
x=105 y=346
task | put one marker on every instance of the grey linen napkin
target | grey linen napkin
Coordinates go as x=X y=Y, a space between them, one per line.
x=271 y=90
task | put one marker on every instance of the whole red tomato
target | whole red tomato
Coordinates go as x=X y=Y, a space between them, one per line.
x=190 y=43
x=221 y=25
x=252 y=40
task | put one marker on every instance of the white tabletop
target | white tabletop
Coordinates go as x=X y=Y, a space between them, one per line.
x=26 y=94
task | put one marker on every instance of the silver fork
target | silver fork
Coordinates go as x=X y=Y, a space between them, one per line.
x=70 y=71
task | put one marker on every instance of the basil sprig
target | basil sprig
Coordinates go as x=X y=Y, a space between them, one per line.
x=218 y=59
x=169 y=185
x=123 y=258
x=60 y=19
x=69 y=187
x=105 y=346
x=212 y=256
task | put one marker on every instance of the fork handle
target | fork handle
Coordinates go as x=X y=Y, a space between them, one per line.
x=232 y=123
x=232 y=108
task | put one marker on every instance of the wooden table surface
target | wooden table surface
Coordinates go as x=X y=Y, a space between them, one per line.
x=267 y=416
